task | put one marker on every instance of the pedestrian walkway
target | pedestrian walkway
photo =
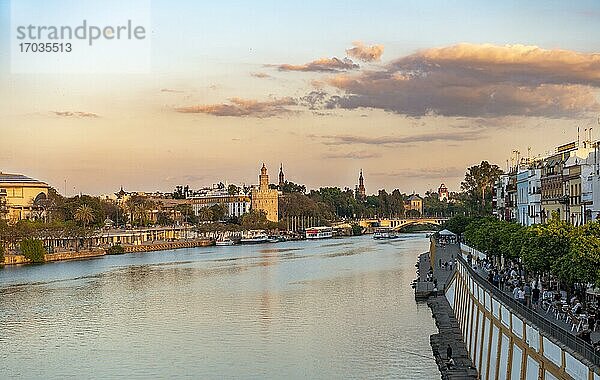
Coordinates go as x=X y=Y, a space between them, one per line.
x=449 y=331
x=449 y=335
x=444 y=253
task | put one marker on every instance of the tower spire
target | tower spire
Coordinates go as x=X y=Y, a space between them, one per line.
x=281 y=177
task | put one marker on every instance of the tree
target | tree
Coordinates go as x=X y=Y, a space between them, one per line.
x=84 y=215
x=233 y=189
x=205 y=214
x=458 y=224
x=219 y=212
x=164 y=219
x=33 y=249
x=257 y=220
x=291 y=187
x=187 y=212
x=582 y=262
x=478 y=183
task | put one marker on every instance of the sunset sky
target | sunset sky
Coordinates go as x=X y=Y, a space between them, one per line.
x=412 y=92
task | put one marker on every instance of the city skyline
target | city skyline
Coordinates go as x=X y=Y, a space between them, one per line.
x=413 y=100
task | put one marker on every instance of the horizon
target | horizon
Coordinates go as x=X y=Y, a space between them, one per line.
x=404 y=100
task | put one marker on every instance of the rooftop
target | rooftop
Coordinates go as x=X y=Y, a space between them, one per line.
x=17 y=178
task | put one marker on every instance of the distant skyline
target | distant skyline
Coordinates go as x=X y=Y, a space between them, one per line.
x=411 y=92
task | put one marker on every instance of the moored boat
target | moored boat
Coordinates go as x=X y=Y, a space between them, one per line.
x=254 y=237
x=385 y=233
x=224 y=241
x=319 y=232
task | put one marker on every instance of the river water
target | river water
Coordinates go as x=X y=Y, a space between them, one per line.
x=328 y=309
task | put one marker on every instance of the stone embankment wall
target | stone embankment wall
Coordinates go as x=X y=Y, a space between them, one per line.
x=167 y=245
x=20 y=259
x=502 y=344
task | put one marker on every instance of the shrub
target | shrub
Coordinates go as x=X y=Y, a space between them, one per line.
x=33 y=250
x=115 y=250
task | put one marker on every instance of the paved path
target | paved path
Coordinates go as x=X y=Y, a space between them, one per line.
x=449 y=334
x=444 y=254
x=449 y=330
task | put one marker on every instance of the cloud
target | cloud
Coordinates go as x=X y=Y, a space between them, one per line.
x=358 y=155
x=365 y=53
x=321 y=65
x=260 y=75
x=427 y=173
x=75 y=114
x=402 y=140
x=171 y=90
x=243 y=108
x=476 y=81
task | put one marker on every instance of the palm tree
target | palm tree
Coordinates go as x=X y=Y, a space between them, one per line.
x=84 y=214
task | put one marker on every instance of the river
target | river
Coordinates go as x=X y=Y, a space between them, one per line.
x=327 y=309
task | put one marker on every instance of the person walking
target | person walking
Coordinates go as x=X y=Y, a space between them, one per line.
x=521 y=295
x=527 y=292
x=448 y=352
x=535 y=296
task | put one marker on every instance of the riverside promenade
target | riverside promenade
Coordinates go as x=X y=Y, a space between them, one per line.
x=449 y=331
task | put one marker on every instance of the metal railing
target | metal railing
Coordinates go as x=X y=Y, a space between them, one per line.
x=544 y=325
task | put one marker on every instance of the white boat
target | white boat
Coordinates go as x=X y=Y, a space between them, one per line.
x=254 y=237
x=385 y=233
x=319 y=232
x=224 y=241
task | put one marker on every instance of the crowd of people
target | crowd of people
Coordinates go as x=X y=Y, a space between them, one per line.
x=535 y=293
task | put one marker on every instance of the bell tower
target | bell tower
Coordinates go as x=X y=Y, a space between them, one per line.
x=281 y=177
x=263 y=178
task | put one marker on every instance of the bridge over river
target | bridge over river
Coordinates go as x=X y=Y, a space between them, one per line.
x=400 y=223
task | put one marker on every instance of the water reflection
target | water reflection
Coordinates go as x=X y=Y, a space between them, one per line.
x=324 y=309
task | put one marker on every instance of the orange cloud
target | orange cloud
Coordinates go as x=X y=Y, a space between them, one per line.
x=365 y=53
x=477 y=80
x=321 y=65
x=243 y=108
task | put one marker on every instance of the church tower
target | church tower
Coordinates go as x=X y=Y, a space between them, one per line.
x=361 y=193
x=281 y=178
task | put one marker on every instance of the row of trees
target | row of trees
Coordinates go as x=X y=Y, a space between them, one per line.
x=570 y=253
x=335 y=203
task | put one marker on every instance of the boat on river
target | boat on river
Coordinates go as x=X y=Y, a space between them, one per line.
x=319 y=233
x=382 y=233
x=254 y=237
x=224 y=241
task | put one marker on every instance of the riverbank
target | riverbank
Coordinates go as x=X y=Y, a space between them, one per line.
x=98 y=252
x=165 y=246
x=60 y=256
x=449 y=333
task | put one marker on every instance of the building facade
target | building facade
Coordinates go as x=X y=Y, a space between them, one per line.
x=21 y=197
x=264 y=198
x=414 y=203
x=237 y=205
x=443 y=193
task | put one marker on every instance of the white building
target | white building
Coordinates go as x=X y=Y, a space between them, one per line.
x=529 y=196
x=237 y=204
